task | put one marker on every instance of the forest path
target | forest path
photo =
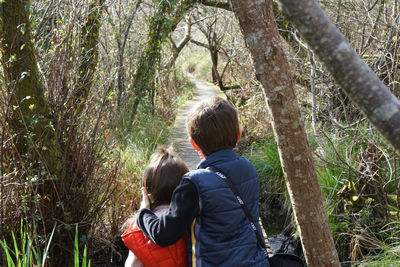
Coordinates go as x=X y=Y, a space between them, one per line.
x=179 y=138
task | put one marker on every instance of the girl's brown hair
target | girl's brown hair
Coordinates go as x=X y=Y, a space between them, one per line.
x=162 y=176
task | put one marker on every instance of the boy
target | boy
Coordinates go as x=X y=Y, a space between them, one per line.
x=218 y=232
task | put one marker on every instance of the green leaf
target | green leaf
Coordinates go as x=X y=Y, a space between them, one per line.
x=76 y=248
x=16 y=250
x=48 y=246
x=84 y=257
x=23 y=75
x=12 y=58
x=10 y=262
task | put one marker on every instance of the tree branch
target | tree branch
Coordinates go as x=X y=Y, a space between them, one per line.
x=359 y=82
x=222 y=5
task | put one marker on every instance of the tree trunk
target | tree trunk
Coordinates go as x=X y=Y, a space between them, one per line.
x=256 y=20
x=89 y=56
x=121 y=52
x=30 y=120
x=162 y=24
x=358 y=81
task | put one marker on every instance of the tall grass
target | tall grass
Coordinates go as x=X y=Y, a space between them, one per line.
x=76 y=252
x=362 y=223
x=389 y=258
x=354 y=169
x=26 y=252
x=274 y=205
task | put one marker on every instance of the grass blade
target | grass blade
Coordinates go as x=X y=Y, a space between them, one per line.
x=10 y=262
x=84 y=257
x=16 y=250
x=37 y=257
x=23 y=245
x=76 y=248
x=48 y=246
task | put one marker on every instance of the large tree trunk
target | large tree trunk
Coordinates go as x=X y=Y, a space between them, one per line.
x=272 y=70
x=359 y=82
x=31 y=122
x=32 y=126
x=30 y=119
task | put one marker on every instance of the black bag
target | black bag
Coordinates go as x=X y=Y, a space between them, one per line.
x=277 y=260
x=285 y=260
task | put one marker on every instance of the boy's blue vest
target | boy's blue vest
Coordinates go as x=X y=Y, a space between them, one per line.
x=221 y=235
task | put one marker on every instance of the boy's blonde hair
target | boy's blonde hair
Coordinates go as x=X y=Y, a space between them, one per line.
x=213 y=125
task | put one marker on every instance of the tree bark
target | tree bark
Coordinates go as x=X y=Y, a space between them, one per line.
x=359 y=82
x=89 y=56
x=256 y=20
x=30 y=120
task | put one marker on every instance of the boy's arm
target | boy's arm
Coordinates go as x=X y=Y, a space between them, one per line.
x=170 y=226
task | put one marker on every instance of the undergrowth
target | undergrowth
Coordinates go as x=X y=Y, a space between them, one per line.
x=25 y=250
x=197 y=64
x=357 y=175
x=274 y=207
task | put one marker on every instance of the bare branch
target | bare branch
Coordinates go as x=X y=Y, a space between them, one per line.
x=222 y=5
x=358 y=81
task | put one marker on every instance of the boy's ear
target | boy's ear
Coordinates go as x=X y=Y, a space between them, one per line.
x=194 y=145
x=239 y=134
x=197 y=148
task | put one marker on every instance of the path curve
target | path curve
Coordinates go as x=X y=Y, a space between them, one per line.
x=179 y=138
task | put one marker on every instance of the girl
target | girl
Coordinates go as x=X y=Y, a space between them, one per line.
x=160 y=178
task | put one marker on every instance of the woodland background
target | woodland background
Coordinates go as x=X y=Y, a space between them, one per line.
x=89 y=88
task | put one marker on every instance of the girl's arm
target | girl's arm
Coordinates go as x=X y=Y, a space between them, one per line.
x=133 y=261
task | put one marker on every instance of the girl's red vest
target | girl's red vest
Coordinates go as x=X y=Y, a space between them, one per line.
x=153 y=255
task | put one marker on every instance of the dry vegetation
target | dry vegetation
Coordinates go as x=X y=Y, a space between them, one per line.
x=104 y=147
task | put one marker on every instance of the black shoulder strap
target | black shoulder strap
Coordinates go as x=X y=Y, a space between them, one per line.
x=244 y=207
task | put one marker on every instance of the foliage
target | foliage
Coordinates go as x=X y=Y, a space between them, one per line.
x=104 y=151
x=390 y=257
x=274 y=206
x=76 y=63
x=356 y=178
x=197 y=64
x=28 y=252
x=76 y=252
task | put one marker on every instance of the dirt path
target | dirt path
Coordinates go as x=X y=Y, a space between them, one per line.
x=179 y=138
